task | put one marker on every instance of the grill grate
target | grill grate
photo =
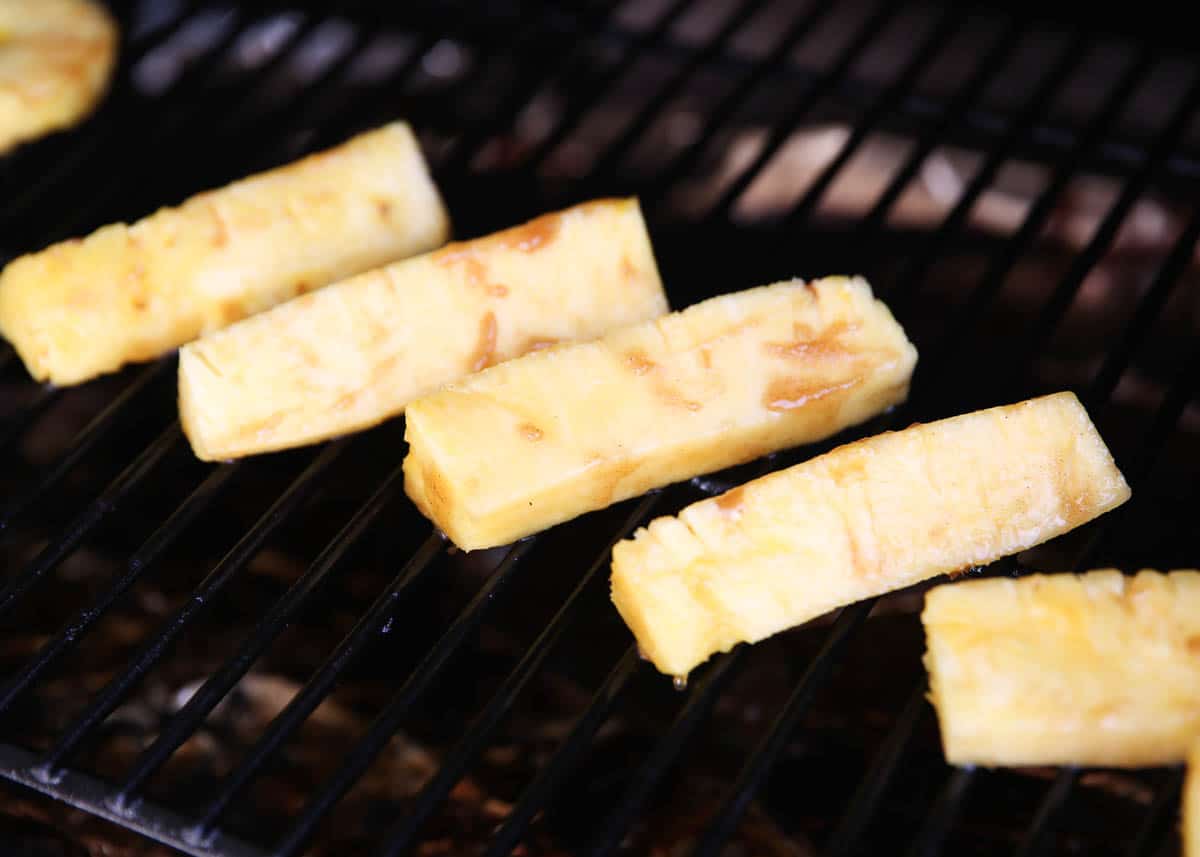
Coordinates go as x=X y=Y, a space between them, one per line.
x=525 y=106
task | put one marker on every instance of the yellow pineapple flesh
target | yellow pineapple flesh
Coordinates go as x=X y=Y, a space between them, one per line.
x=1064 y=669
x=540 y=440
x=131 y=293
x=861 y=520
x=355 y=353
x=56 y=58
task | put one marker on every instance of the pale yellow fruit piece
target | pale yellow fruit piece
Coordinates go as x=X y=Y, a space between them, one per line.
x=357 y=352
x=548 y=437
x=56 y=57
x=1191 y=804
x=131 y=293
x=861 y=520
x=1092 y=669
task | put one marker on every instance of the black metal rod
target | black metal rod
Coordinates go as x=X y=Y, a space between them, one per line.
x=866 y=798
x=89 y=794
x=1033 y=842
x=540 y=791
x=158 y=645
x=472 y=141
x=990 y=65
x=650 y=112
x=755 y=769
x=600 y=86
x=189 y=718
x=319 y=684
x=993 y=279
x=67 y=539
x=455 y=764
x=139 y=562
x=1148 y=310
x=1159 y=816
x=1064 y=294
x=388 y=721
x=782 y=131
x=97 y=430
x=1048 y=87
x=736 y=98
x=940 y=820
x=948 y=23
x=662 y=758
x=14 y=425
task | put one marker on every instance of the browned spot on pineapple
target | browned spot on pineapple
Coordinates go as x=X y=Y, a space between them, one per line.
x=628 y=270
x=676 y=399
x=485 y=347
x=347 y=401
x=533 y=235
x=497 y=290
x=638 y=362
x=731 y=501
x=826 y=345
x=538 y=343
x=231 y=311
x=1193 y=644
x=302 y=287
x=787 y=394
x=457 y=254
x=220 y=229
x=706 y=358
x=531 y=432
x=384 y=207
x=139 y=303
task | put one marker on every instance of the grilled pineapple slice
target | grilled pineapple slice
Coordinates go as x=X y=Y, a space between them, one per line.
x=1191 y=804
x=543 y=439
x=56 y=57
x=130 y=293
x=1092 y=669
x=357 y=352
x=861 y=520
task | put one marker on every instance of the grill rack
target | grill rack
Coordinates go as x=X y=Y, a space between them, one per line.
x=62 y=164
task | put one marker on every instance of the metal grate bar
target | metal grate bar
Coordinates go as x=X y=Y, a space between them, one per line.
x=933 y=832
x=455 y=764
x=216 y=686
x=319 y=684
x=579 y=107
x=993 y=62
x=89 y=794
x=1148 y=310
x=883 y=767
x=1159 y=816
x=540 y=791
x=15 y=425
x=388 y=721
x=1033 y=842
x=97 y=430
x=781 y=131
x=759 y=764
x=1060 y=301
x=1043 y=206
x=141 y=561
x=65 y=542
x=662 y=757
x=471 y=142
x=155 y=647
x=607 y=162
x=728 y=106
x=949 y=22
x=1050 y=84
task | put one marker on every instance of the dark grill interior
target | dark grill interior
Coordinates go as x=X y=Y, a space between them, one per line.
x=280 y=654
